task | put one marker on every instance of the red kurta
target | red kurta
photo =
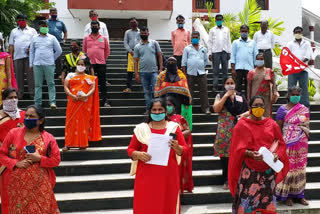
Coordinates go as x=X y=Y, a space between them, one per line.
x=156 y=188
x=6 y=124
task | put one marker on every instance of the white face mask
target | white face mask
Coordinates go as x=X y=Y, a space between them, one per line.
x=229 y=87
x=298 y=36
x=10 y=107
x=81 y=68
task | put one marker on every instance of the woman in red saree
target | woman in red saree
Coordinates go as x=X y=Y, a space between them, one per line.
x=261 y=82
x=293 y=119
x=251 y=181
x=156 y=188
x=10 y=117
x=32 y=179
x=7 y=77
x=186 y=180
x=82 y=117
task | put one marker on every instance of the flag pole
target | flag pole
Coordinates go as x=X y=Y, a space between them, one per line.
x=313 y=72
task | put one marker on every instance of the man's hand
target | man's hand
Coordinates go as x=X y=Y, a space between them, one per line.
x=234 y=73
x=132 y=53
x=31 y=69
x=210 y=58
x=137 y=77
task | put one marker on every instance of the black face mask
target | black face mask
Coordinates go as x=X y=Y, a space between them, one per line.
x=74 y=49
x=94 y=30
x=144 y=37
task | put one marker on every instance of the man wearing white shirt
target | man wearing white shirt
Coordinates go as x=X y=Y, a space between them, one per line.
x=19 y=42
x=219 y=47
x=103 y=27
x=265 y=43
x=301 y=49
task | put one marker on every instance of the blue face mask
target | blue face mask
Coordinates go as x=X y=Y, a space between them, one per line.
x=219 y=23
x=158 y=117
x=294 y=99
x=180 y=25
x=195 y=41
x=259 y=63
x=30 y=123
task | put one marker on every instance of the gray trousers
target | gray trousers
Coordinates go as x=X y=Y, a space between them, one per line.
x=219 y=58
x=21 y=69
x=201 y=81
x=267 y=54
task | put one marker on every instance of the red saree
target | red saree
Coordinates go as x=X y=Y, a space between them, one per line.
x=252 y=135
x=186 y=180
x=6 y=124
x=30 y=190
x=82 y=117
x=156 y=188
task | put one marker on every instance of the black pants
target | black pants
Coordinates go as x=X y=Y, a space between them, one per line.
x=129 y=79
x=100 y=72
x=224 y=165
x=242 y=79
x=267 y=54
x=179 y=59
x=58 y=64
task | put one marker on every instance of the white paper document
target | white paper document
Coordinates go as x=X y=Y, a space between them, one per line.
x=159 y=149
x=268 y=158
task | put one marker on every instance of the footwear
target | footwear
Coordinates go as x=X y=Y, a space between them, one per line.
x=289 y=202
x=64 y=149
x=225 y=186
x=127 y=90
x=207 y=111
x=303 y=201
x=53 y=106
x=146 y=113
x=106 y=104
x=108 y=83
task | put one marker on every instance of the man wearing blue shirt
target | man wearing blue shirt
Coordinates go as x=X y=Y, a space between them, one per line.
x=44 y=50
x=243 y=57
x=56 y=28
x=194 y=61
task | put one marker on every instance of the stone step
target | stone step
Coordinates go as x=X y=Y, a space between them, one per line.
x=103 y=200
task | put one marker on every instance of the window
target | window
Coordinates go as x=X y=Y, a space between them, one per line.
x=264 y=4
x=201 y=6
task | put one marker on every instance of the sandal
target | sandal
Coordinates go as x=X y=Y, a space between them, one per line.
x=303 y=201
x=225 y=186
x=289 y=202
x=64 y=149
x=127 y=90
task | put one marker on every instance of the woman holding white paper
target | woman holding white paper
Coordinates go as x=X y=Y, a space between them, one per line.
x=293 y=118
x=156 y=188
x=252 y=182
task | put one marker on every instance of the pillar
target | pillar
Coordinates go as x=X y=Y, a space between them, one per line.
x=311 y=28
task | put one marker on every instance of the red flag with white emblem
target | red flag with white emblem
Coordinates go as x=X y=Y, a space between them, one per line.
x=290 y=64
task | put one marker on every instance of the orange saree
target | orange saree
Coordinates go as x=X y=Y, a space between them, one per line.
x=83 y=117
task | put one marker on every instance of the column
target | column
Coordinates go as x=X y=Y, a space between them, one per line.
x=311 y=28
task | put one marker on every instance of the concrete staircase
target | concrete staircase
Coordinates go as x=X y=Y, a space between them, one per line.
x=97 y=180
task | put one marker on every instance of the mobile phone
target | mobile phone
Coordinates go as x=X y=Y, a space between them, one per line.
x=174 y=136
x=30 y=148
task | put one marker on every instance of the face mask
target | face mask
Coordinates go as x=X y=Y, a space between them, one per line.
x=195 y=41
x=172 y=67
x=158 y=117
x=244 y=35
x=180 y=25
x=94 y=30
x=144 y=37
x=30 y=123
x=81 y=68
x=229 y=87
x=74 y=49
x=53 y=16
x=294 y=99
x=298 y=35
x=22 y=23
x=44 y=30
x=257 y=112
x=219 y=23
x=259 y=63
x=94 y=18
x=10 y=107
x=169 y=109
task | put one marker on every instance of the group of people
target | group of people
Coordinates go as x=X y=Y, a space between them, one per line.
x=245 y=124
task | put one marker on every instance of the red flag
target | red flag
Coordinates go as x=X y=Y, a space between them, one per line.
x=290 y=64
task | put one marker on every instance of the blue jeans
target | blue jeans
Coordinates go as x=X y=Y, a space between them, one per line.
x=148 y=81
x=48 y=72
x=303 y=78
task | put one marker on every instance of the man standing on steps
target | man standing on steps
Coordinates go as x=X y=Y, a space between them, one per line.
x=243 y=58
x=93 y=15
x=44 y=50
x=194 y=61
x=219 y=47
x=19 y=43
x=301 y=49
x=56 y=28
x=180 y=38
x=147 y=53
x=97 y=48
x=131 y=39
x=265 y=43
